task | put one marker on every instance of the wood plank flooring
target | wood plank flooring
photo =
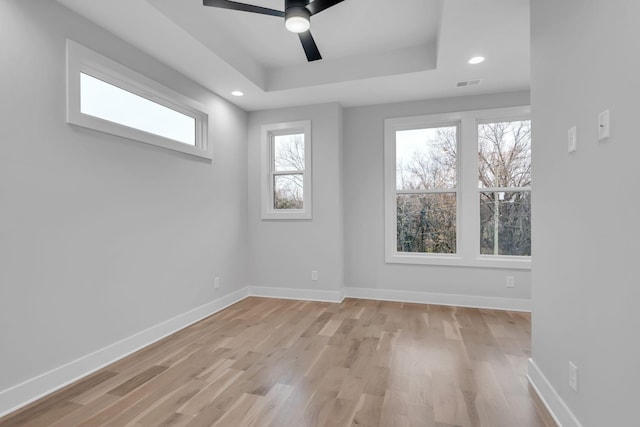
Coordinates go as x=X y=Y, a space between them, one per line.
x=269 y=362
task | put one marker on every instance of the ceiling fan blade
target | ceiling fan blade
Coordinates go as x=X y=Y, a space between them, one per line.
x=225 y=4
x=309 y=46
x=317 y=6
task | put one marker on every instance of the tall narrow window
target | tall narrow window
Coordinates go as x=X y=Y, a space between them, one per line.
x=287 y=170
x=426 y=179
x=422 y=188
x=504 y=181
x=286 y=166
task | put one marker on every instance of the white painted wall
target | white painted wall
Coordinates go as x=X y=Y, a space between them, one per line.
x=364 y=210
x=284 y=252
x=101 y=237
x=585 y=212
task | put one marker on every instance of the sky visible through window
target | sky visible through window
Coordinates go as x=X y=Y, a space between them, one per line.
x=408 y=142
x=425 y=158
x=109 y=102
x=288 y=156
x=426 y=162
x=504 y=163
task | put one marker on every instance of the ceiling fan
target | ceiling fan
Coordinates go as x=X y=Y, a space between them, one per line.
x=297 y=15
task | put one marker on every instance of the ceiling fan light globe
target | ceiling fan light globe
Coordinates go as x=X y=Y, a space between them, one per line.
x=297 y=24
x=297 y=19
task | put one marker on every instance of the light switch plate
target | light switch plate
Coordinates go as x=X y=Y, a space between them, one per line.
x=604 y=128
x=572 y=139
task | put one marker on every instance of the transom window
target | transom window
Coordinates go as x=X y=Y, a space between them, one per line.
x=108 y=102
x=106 y=96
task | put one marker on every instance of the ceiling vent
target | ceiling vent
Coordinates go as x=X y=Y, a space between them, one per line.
x=468 y=83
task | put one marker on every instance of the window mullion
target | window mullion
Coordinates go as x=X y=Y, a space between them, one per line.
x=468 y=181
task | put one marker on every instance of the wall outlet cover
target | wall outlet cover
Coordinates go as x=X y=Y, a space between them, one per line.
x=604 y=128
x=572 y=139
x=573 y=376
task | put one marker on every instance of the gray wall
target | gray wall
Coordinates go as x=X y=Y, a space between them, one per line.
x=284 y=252
x=364 y=208
x=102 y=237
x=585 y=212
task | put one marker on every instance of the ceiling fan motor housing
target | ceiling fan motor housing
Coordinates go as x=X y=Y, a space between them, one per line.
x=294 y=3
x=295 y=11
x=296 y=16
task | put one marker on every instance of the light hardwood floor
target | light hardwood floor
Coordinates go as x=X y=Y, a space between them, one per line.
x=281 y=363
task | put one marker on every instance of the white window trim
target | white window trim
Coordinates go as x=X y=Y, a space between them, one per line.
x=81 y=59
x=268 y=131
x=468 y=193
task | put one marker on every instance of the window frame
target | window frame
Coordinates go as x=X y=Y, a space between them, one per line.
x=468 y=191
x=82 y=60
x=268 y=132
x=392 y=126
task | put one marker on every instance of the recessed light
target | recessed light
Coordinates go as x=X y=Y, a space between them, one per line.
x=476 y=60
x=237 y=93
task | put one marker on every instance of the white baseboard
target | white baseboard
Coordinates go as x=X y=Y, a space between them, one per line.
x=511 y=304
x=22 y=394
x=300 y=294
x=558 y=409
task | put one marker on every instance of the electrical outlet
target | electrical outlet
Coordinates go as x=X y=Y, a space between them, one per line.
x=604 y=129
x=573 y=376
x=216 y=283
x=314 y=275
x=572 y=139
x=511 y=282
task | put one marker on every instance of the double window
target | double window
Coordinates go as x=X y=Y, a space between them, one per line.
x=458 y=189
x=286 y=160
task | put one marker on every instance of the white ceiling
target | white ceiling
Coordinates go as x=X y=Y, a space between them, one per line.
x=374 y=51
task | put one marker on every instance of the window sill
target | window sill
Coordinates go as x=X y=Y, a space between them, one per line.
x=291 y=215
x=503 y=262
x=104 y=126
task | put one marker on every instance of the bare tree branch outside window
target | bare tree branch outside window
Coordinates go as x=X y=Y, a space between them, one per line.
x=288 y=165
x=426 y=167
x=504 y=178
